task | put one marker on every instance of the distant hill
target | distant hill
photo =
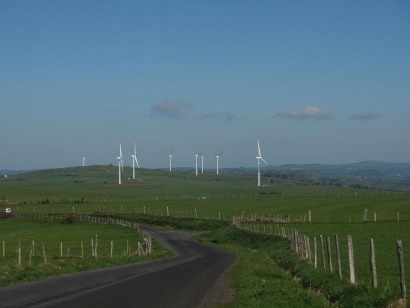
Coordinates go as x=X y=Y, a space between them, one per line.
x=365 y=168
x=5 y=171
x=369 y=174
x=366 y=174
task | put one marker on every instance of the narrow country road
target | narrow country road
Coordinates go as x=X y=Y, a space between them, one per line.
x=180 y=281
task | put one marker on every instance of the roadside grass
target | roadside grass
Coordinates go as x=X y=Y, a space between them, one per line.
x=52 y=234
x=271 y=275
x=385 y=234
x=170 y=222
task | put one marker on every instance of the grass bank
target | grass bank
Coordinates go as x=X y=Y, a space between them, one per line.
x=270 y=273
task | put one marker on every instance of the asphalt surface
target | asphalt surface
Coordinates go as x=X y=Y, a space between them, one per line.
x=180 y=281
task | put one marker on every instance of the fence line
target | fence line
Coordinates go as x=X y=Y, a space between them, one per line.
x=142 y=249
x=301 y=245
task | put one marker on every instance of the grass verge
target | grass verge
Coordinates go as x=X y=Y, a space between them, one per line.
x=270 y=274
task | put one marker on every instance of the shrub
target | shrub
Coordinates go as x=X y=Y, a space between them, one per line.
x=69 y=219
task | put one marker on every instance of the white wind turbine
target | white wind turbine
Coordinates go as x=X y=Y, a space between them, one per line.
x=170 y=161
x=196 y=162
x=217 y=161
x=84 y=161
x=202 y=161
x=120 y=166
x=259 y=158
x=134 y=161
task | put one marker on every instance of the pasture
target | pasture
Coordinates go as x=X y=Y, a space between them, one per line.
x=335 y=210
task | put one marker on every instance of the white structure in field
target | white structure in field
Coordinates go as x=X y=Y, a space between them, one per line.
x=217 y=161
x=259 y=158
x=134 y=161
x=196 y=162
x=84 y=159
x=170 y=161
x=120 y=165
x=202 y=161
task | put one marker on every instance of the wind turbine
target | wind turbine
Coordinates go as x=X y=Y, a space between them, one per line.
x=202 y=159
x=134 y=161
x=170 y=161
x=259 y=158
x=217 y=161
x=83 y=161
x=120 y=166
x=196 y=162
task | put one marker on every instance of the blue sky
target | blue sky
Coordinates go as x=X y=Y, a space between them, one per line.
x=314 y=81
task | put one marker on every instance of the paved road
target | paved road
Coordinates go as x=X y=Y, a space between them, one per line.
x=180 y=281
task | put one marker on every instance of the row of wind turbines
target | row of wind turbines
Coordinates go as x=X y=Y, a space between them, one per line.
x=259 y=158
x=202 y=162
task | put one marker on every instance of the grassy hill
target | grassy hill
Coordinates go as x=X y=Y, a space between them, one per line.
x=336 y=207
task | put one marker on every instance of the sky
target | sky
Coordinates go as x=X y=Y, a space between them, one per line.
x=314 y=81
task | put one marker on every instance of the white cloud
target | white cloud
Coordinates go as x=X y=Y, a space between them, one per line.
x=365 y=116
x=169 y=109
x=311 y=112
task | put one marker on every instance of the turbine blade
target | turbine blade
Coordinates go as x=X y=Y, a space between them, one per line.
x=264 y=160
x=259 y=150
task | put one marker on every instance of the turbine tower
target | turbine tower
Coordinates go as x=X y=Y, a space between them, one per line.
x=202 y=161
x=170 y=161
x=83 y=161
x=259 y=158
x=134 y=161
x=120 y=166
x=217 y=161
x=196 y=162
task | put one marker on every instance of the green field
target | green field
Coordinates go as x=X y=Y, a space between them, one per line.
x=335 y=209
x=68 y=247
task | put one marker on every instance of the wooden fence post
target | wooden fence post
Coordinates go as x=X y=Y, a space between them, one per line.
x=365 y=215
x=339 y=264
x=373 y=263
x=351 y=259
x=323 y=252
x=44 y=254
x=315 y=250
x=308 y=251
x=19 y=253
x=96 y=247
x=29 y=258
x=329 y=254
x=401 y=265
